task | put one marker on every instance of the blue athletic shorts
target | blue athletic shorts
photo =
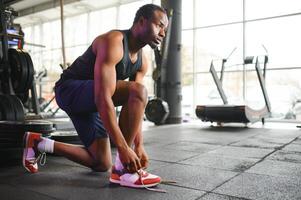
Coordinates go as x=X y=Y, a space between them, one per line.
x=76 y=98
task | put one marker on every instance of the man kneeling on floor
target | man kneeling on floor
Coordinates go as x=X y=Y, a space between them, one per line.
x=88 y=92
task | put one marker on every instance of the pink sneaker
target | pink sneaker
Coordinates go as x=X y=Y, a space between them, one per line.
x=30 y=153
x=140 y=179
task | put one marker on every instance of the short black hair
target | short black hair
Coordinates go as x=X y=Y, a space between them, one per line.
x=147 y=11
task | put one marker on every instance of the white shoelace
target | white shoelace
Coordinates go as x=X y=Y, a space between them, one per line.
x=42 y=158
x=141 y=172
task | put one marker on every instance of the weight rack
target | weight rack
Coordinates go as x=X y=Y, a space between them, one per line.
x=17 y=78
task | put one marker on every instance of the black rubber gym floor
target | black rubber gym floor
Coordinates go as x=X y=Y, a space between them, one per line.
x=206 y=162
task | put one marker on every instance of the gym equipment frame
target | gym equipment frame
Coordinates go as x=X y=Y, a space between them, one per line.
x=235 y=113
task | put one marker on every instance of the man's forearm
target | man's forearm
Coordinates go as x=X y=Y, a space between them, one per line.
x=138 y=141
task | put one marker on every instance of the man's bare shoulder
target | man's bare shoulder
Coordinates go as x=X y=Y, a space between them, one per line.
x=113 y=37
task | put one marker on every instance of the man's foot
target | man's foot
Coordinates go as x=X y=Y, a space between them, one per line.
x=140 y=179
x=31 y=154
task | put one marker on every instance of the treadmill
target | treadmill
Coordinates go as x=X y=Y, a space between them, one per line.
x=227 y=113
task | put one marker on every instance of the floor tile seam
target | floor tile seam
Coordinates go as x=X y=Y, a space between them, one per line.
x=272 y=175
x=284 y=161
x=275 y=149
x=241 y=198
x=255 y=147
x=213 y=144
x=175 y=148
x=29 y=190
x=275 y=135
x=229 y=144
x=290 y=152
x=167 y=164
x=178 y=161
x=287 y=160
x=176 y=185
x=226 y=181
x=158 y=160
x=268 y=175
x=206 y=167
x=298 y=144
x=254 y=137
x=259 y=160
x=214 y=168
x=196 y=142
x=228 y=156
x=244 y=171
x=244 y=157
x=191 y=157
x=185 y=187
x=219 y=147
x=170 y=162
x=193 y=151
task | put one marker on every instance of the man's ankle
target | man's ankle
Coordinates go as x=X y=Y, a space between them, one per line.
x=45 y=145
x=118 y=165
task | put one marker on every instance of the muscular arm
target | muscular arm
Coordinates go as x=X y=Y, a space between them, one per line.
x=142 y=72
x=139 y=78
x=109 y=51
x=138 y=141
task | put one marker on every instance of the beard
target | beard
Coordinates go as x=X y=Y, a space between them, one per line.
x=153 y=45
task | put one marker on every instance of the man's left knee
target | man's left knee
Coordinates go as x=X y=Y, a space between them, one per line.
x=139 y=91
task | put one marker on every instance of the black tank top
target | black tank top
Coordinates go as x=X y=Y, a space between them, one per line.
x=83 y=67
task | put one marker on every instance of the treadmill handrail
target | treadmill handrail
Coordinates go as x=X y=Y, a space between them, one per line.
x=218 y=84
x=261 y=79
x=235 y=113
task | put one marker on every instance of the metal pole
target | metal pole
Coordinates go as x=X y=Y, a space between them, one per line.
x=172 y=84
x=244 y=50
x=62 y=34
